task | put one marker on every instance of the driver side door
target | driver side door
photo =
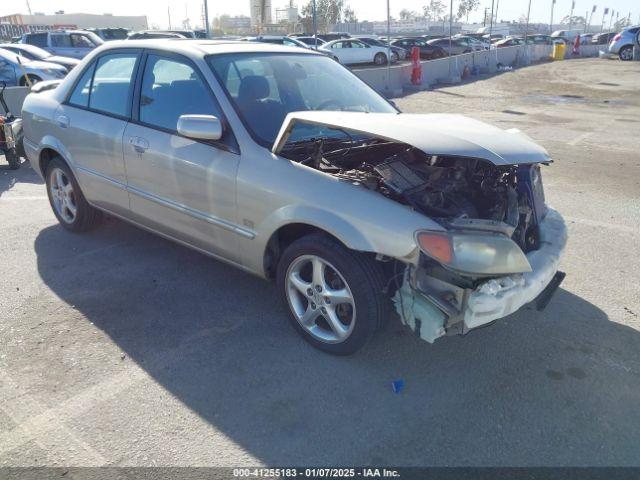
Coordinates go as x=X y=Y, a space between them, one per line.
x=178 y=186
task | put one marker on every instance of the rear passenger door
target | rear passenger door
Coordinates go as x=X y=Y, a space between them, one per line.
x=178 y=186
x=90 y=124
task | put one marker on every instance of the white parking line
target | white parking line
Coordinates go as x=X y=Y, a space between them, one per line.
x=34 y=422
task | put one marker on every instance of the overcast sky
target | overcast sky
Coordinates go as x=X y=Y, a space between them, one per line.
x=156 y=10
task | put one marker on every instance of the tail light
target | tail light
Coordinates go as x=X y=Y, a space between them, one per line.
x=617 y=37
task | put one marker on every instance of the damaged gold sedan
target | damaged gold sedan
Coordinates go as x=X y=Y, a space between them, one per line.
x=282 y=162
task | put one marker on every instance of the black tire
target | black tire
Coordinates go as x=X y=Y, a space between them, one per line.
x=394 y=57
x=626 y=53
x=86 y=216
x=364 y=277
x=380 y=58
x=34 y=79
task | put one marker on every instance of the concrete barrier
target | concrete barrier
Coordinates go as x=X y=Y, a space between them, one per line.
x=394 y=81
x=14 y=96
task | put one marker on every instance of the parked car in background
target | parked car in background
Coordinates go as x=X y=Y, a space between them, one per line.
x=585 y=38
x=349 y=52
x=509 y=42
x=427 y=51
x=153 y=34
x=539 y=39
x=285 y=164
x=473 y=43
x=277 y=40
x=602 y=38
x=397 y=53
x=431 y=37
x=328 y=37
x=451 y=48
x=310 y=41
x=109 y=34
x=64 y=43
x=567 y=36
x=622 y=43
x=494 y=37
x=31 y=52
x=15 y=69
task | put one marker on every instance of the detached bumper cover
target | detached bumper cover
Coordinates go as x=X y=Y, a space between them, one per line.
x=500 y=297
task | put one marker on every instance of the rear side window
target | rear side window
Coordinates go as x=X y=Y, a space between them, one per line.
x=37 y=39
x=112 y=83
x=80 y=95
x=171 y=88
x=60 y=41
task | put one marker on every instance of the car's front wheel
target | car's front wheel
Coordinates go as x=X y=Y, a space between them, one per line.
x=67 y=201
x=334 y=295
x=380 y=59
x=626 y=53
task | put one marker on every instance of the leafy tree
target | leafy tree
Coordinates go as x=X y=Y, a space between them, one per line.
x=349 y=15
x=407 y=14
x=576 y=20
x=466 y=7
x=328 y=13
x=624 y=22
x=434 y=10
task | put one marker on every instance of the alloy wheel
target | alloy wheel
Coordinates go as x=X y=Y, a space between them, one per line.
x=320 y=299
x=62 y=195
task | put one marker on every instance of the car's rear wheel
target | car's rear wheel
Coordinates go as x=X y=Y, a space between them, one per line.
x=394 y=57
x=67 y=201
x=334 y=295
x=380 y=58
x=626 y=53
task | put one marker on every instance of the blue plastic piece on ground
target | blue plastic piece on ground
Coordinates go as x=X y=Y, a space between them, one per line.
x=397 y=385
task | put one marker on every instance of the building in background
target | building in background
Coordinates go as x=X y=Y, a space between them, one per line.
x=238 y=24
x=287 y=14
x=17 y=24
x=260 y=12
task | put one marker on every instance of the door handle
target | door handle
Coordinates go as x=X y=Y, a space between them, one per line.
x=63 y=121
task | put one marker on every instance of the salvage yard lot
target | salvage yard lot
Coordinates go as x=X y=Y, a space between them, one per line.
x=121 y=348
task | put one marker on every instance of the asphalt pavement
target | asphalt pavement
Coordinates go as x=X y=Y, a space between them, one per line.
x=121 y=348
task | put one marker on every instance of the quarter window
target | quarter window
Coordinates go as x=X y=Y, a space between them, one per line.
x=80 y=95
x=111 y=83
x=171 y=88
x=38 y=39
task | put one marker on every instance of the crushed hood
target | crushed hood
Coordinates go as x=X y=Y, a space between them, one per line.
x=434 y=134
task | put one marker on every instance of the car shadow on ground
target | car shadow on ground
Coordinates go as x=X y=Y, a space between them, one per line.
x=550 y=388
x=8 y=177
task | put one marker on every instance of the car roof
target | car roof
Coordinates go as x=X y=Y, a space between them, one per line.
x=202 y=47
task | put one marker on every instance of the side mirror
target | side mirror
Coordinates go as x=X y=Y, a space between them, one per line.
x=201 y=127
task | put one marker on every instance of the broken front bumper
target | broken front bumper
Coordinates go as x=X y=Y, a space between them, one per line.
x=433 y=308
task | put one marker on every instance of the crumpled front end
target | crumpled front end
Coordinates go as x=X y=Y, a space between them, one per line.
x=433 y=303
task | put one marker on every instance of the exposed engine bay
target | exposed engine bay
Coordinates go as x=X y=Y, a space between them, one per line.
x=457 y=192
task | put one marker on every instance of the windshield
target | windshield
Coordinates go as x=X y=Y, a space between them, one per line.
x=265 y=87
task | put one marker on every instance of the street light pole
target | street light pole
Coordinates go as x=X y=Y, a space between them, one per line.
x=553 y=4
x=315 y=26
x=450 y=25
x=206 y=19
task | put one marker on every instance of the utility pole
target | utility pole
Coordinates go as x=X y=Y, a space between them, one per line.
x=586 y=24
x=169 y=15
x=526 y=30
x=490 y=22
x=388 y=45
x=611 y=19
x=206 y=19
x=590 y=17
x=315 y=25
x=573 y=5
x=28 y=7
x=604 y=14
x=553 y=4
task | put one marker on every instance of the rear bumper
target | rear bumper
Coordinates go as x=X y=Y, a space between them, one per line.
x=500 y=297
